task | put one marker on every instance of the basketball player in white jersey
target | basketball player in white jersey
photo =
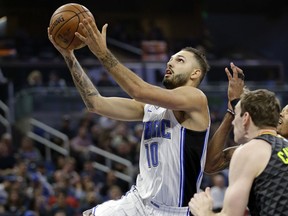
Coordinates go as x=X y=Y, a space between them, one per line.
x=176 y=126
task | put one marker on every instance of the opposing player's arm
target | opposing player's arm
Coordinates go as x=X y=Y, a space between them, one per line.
x=218 y=158
x=242 y=175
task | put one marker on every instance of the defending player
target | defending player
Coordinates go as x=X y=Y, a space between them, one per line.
x=258 y=173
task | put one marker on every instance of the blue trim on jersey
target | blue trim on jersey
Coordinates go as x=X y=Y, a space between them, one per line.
x=199 y=180
x=203 y=160
x=181 y=166
x=188 y=212
x=94 y=210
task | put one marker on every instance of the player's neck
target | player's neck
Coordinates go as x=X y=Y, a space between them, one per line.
x=271 y=131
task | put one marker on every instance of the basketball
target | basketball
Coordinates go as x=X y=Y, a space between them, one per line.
x=65 y=22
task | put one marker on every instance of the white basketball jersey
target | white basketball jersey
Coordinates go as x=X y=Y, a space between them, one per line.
x=172 y=159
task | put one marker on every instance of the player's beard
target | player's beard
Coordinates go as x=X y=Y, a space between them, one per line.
x=175 y=81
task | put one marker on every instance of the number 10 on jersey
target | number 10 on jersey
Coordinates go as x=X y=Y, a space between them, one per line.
x=152 y=154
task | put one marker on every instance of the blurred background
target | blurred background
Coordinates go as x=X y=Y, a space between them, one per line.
x=53 y=149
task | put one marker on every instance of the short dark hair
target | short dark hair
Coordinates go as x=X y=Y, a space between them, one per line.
x=263 y=107
x=202 y=60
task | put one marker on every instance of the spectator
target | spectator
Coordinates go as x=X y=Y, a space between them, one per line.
x=7 y=139
x=66 y=127
x=61 y=204
x=87 y=119
x=55 y=80
x=114 y=192
x=35 y=79
x=80 y=146
x=112 y=180
x=95 y=175
x=28 y=151
x=7 y=158
x=91 y=200
x=15 y=204
x=218 y=191
x=104 y=81
x=66 y=175
x=4 y=188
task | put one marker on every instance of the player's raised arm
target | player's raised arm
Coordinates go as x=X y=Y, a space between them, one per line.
x=218 y=158
x=116 y=108
x=134 y=85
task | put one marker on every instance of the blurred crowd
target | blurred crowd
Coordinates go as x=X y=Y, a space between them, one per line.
x=66 y=185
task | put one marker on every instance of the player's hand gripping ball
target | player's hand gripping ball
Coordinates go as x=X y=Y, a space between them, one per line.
x=65 y=22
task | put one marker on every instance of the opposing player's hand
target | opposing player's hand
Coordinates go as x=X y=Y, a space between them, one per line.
x=60 y=49
x=201 y=204
x=93 y=38
x=236 y=82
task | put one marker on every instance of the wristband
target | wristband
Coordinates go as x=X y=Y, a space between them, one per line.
x=231 y=112
x=234 y=102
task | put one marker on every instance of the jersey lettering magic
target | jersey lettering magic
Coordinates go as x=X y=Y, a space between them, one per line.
x=269 y=192
x=172 y=159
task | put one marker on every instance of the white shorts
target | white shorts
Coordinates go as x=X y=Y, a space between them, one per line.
x=132 y=205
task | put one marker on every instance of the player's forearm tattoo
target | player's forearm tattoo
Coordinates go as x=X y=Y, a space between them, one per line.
x=109 y=60
x=82 y=82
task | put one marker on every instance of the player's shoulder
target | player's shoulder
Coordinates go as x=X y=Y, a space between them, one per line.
x=190 y=90
x=252 y=149
x=244 y=156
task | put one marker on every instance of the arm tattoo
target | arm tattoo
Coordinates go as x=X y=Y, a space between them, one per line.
x=109 y=60
x=82 y=82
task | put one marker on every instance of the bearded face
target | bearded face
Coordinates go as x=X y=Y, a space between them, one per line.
x=175 y=80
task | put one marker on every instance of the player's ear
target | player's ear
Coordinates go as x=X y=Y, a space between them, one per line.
x=195 y=74
x=246 y=118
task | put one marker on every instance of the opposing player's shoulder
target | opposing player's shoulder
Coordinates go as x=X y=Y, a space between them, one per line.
x=254 y=144
x=252 y=150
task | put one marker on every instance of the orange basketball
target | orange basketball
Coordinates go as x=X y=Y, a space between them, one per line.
x=65 y=22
